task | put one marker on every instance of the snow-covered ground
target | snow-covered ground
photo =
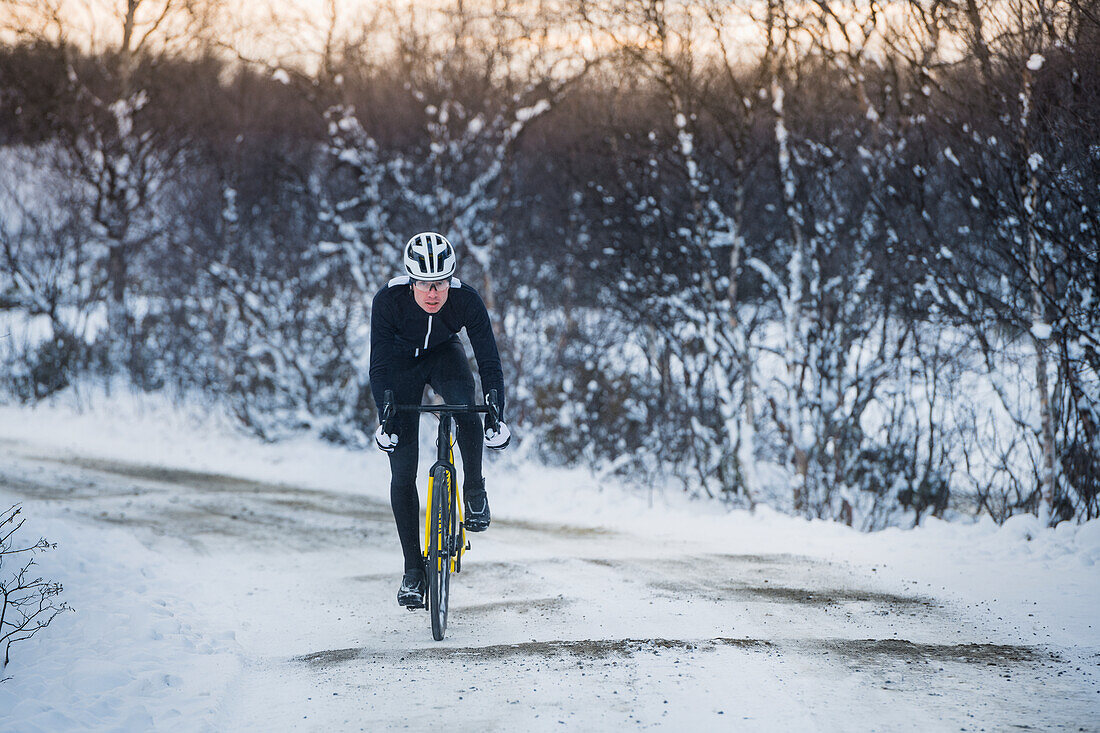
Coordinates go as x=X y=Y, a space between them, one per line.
x=224 y=584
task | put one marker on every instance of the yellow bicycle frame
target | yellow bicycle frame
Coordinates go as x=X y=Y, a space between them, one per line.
x=428 y=513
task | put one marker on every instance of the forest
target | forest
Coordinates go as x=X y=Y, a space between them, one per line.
x=835 y=258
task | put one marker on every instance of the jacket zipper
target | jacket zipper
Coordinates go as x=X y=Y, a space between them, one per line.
x=427 y=336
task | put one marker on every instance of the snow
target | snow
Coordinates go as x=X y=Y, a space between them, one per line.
x=1040 y=330
x=133 y=655
x=527 y=113
x=195 y=625
x=1035 y=61
x=123 y=111
x=687 y=148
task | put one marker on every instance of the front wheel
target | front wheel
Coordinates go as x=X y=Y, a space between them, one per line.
x=439 y=556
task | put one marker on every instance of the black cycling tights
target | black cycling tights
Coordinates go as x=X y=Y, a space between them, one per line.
x=445 y=368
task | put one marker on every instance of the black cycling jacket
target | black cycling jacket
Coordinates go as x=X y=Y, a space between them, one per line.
x=401 y=331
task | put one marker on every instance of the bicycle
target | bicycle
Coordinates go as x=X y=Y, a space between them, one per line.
x=445 y=536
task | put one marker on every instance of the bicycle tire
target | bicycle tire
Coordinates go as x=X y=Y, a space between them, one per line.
x=439 y=541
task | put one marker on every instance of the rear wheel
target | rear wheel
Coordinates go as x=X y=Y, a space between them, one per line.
x=439 y=542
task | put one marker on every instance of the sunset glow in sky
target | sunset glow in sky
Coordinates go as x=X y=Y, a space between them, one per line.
x=295 y=33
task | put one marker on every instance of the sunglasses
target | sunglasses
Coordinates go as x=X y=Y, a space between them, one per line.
x=424 y=286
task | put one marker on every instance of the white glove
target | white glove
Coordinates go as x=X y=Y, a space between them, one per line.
x=386 y=441
x=498 y=439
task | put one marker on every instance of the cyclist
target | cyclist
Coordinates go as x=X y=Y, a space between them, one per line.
x=415 y=320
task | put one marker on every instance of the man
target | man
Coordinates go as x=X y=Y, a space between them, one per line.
x=415 y=320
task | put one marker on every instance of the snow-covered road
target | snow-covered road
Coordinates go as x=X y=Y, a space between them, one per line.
x=280 y=607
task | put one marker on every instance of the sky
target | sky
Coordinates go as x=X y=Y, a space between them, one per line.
x=269 y=27
x=291 y=32
x=294 y=33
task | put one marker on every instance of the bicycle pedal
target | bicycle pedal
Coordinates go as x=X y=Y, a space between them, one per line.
x=415 y=608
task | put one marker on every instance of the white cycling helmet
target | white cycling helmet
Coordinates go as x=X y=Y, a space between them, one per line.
x=429 y=256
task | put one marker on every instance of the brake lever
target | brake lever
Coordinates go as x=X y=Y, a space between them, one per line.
x=494 y=409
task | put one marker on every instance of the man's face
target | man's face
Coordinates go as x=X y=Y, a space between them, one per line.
x=431 y=296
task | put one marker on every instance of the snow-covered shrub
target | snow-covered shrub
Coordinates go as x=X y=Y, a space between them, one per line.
x=733 y=272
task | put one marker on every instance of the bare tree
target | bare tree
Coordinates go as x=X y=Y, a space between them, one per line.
x=45 y=273
x=28 y=604
x=1011 y=123
x=107 y=137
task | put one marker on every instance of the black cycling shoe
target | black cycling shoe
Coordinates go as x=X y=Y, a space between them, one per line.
x=477 y=516
x=411 y=593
